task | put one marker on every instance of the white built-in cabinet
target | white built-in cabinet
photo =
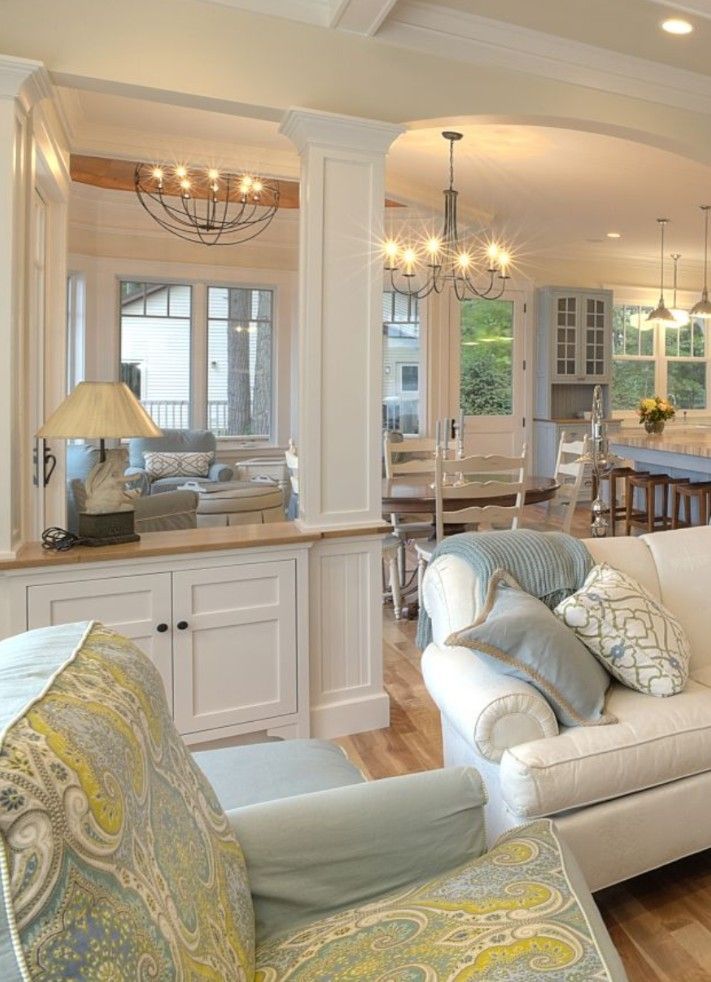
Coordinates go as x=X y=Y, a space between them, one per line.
x=578 y=324
x=226 y=631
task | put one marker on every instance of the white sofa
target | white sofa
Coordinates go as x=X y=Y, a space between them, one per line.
x=629 y=796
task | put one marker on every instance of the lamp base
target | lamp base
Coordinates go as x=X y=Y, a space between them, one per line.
x=107 y=529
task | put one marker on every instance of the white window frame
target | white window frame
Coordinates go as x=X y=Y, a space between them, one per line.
x=646 y=298
x=422 y=392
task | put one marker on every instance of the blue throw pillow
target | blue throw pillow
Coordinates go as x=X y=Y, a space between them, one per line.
x=517 y=635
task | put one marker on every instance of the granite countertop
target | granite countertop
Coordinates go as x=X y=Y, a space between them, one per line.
x=692 y=440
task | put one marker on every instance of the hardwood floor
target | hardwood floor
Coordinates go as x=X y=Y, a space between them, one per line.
x=659 y=922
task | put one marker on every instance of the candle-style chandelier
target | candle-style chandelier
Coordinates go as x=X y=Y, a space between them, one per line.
x=205 y=205
x=416 y=270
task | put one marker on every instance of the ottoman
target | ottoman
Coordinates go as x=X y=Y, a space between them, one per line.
x=238 y=503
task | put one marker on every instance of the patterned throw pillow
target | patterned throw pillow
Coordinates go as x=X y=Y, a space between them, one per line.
x=118 y=861
x=172 y=463
x=633 y=635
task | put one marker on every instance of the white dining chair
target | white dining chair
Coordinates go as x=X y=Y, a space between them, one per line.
x=573 y=475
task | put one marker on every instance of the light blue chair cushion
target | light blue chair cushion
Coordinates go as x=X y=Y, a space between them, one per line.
x=257 y=772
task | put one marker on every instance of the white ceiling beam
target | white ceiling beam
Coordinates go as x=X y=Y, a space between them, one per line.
x=360 y=16
x=702 y=8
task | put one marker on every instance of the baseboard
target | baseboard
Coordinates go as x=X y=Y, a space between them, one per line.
x=357 y=715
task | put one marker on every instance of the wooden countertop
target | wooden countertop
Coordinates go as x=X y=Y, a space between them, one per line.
x=210 y=539
x=694 y=441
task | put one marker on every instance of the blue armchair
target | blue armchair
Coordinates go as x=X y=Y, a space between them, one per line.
x=180 y=441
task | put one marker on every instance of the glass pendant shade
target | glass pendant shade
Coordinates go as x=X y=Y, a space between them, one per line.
x=661 y=313
x=703 y=307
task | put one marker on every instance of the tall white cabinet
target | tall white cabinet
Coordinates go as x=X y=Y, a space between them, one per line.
x=227 y=631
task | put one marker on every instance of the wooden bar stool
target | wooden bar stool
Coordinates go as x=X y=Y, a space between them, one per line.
x=684 y=495
x=614 y=476
x=647 y=517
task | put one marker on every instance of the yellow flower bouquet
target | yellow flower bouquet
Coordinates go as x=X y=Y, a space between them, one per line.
x=654 y=412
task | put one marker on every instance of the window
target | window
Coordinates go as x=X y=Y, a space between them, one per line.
x=200 y=355
x=401 y=364
x=649 y=360
x=239 y=353
x=486 y=357
x=156 y=330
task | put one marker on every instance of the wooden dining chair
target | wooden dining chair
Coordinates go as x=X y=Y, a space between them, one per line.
x=573 y=476
x=461 y=480
x=409 y=458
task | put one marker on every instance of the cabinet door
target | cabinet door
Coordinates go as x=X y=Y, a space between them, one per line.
x=235 y=658
x=565 y=330
x=595 y=338
x=132 y=605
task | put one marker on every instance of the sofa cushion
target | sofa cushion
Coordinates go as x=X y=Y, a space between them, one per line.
x=117 y=858
x=513 y=913
x=654 y=741
x=248 y=775
x=632 y=634
x=517 y=635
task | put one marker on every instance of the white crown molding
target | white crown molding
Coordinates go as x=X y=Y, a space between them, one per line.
x=25 y=80
x=308 y=127
x=482 y=41
x=307 y=11
x=360 y=16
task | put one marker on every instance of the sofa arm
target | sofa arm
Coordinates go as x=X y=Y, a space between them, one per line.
x=314 y=854
x=220 y=472
x=491 y=712
x=450 y=593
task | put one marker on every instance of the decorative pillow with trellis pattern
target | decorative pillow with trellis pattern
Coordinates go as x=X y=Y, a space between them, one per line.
x=171 y=463
x=634 y=636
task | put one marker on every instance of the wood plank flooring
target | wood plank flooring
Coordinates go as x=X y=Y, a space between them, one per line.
x=659 y=922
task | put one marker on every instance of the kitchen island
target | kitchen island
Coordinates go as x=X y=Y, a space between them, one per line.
x=681 y=450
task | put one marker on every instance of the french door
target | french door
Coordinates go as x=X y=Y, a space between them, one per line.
x=487 y=381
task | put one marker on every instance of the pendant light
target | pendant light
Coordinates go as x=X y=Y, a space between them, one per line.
x=681 y=317
x=661 y=315
x=703 y=307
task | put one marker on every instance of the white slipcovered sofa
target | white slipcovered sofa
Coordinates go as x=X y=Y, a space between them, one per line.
x=629 y=796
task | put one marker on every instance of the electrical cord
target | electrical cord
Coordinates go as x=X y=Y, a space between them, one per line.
x=60 y=539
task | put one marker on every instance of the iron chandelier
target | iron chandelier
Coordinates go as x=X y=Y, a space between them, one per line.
x=418 y=270
x=204 y=205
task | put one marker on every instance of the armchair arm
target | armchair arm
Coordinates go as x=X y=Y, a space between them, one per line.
x=314 y=854
x=220 y=472
x=491 y=712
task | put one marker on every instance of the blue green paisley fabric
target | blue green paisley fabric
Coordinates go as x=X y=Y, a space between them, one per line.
x=512 y=914
x=121 y=862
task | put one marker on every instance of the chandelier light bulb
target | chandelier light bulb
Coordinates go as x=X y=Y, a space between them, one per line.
x=463 y=260
x=185 y=184
x=157 y=173
x=213 y=175
x=409 y=257
x=433 y=246
x=391 y=250
x=181 y=172
x=504 y=262
x=492 y=252
x=245 y=184
x=257 y=187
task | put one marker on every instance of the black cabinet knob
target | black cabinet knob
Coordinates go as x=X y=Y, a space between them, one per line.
x=182 y=625
x=162 y=628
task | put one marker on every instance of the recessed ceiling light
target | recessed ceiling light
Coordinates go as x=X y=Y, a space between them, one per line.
x=675 y=25
x=614 y=235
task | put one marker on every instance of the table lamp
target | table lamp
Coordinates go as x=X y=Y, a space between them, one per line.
x=101 y=411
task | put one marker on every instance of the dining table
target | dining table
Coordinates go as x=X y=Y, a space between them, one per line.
x=414 y=495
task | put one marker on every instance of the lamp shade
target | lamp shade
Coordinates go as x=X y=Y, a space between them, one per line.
x=99 y=410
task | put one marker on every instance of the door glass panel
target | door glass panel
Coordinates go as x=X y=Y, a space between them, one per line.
x=486 y=357
x=401 y=364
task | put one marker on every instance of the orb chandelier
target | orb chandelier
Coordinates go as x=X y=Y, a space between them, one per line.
x=205 y=205
x=418 y=269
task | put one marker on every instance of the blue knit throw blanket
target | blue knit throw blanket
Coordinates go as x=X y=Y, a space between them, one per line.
x=548 y=565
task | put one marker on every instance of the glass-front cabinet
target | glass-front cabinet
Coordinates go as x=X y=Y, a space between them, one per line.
x=580 y=332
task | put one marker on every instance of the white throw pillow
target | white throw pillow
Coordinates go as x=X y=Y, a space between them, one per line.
x=171 y=463
x=631 y=633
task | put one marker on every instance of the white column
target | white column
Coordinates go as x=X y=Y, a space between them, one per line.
x=340 y=365
x=22 y=82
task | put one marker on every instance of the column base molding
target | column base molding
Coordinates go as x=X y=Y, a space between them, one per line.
x=356 y=715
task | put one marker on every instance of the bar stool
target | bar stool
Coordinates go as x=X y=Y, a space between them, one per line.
x=613 y=476
x=685 y=494
x=647 y=517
